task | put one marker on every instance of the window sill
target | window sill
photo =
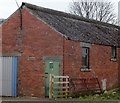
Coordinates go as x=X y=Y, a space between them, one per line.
x=113 y=59
x=85 y=69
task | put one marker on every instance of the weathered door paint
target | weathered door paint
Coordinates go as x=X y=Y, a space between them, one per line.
x=51 y=67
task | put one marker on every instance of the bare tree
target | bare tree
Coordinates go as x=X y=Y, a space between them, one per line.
x=101 y=11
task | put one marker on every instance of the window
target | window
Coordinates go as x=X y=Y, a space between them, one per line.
x=114 y=52
x=85 y=57
x=51 y=65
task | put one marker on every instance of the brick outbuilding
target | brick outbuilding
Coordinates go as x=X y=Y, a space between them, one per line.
x=47 y=41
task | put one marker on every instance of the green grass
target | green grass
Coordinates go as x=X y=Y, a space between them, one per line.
x=115 y=95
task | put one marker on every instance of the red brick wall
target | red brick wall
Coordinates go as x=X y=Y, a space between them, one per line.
x=100 y=63
x=36 y=40
x=10 y=31
x=39 y=40
x=119 y=65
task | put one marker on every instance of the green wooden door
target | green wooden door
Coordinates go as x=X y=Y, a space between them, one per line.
x=51 y=67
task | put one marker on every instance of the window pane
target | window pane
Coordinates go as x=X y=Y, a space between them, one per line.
x=85 y=52
x=114 y=50
x=51 y=65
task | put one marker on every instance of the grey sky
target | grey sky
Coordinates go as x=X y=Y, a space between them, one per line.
x=7 y=7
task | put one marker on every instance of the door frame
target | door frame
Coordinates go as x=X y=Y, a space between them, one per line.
x=54 y=59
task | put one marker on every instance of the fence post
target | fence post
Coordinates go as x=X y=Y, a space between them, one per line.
x=50 y=87
x=66 y=87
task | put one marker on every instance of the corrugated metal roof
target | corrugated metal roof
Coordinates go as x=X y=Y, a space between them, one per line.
x=77 y=28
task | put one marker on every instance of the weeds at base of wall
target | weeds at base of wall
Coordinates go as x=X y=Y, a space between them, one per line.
x=107 y=95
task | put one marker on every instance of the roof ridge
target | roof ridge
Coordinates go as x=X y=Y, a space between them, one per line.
x=67 y=15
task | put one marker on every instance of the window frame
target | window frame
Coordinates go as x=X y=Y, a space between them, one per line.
x=114 y=52
x=85 y=67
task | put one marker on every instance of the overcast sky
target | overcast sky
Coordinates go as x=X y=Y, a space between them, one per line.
x=7 y=7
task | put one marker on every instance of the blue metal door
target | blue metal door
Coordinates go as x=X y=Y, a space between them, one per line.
x=14 y=76
x=9 y=76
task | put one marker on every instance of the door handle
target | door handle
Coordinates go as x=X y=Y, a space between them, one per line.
x=46 y=73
